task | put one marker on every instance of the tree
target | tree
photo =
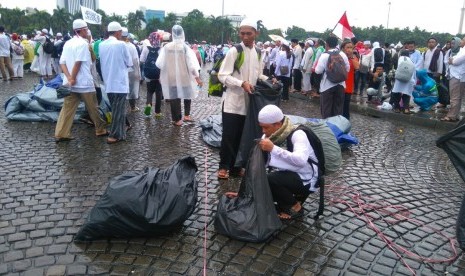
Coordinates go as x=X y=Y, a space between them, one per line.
x=61 y=20
x=134 y=21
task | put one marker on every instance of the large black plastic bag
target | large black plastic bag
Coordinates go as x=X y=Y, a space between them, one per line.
x=144 y=204
x=453 y=143
x=212 y=129
x=251 y=216
x=265 y=93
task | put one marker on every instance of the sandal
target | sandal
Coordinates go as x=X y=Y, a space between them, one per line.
x=113 y=140
x=178 y=123
x=449 y=119
x=188 y=119
x=292 y=214
x=106 y=133
x=407 y=112
x=223 y=174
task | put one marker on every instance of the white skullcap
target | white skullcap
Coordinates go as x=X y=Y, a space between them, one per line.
x=310 y=42
x=125 y=32
x=78 y=24
x=23 y=36
x=392 y=45
x=38 y=33
x=249 y=22
x=114 y=27
x=366 y=42
x=166 y=36
x=285 y=42
x=59 y=34
x=270 y=114
x=45 y=31
x=267 y=43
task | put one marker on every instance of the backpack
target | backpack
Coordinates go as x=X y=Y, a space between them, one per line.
x=378 y=55
x=58 y=49
x=151 y=71
x=336 y=68
x=48 y=46
x=405 y=70
x=215 y=87
x=18 y=49
x=317 y=146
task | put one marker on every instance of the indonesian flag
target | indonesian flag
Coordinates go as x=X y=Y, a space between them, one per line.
x=343 y=29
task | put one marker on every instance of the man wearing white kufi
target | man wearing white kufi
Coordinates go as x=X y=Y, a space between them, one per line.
x=293 y=177
x=44 y=59
x=115 y=61
x=75 y=63
x=235 y=101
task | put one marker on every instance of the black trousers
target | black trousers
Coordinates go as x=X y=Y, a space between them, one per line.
x=286 y=81
x=315 y=80
x=154 y=86
x=175 y=105
x=297 y=79
x=285 y=185
x=346 y=107
x=332 y=101
x=396 y=97
x=233 y=125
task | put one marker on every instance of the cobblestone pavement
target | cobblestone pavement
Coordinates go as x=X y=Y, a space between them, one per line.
x=48 y=189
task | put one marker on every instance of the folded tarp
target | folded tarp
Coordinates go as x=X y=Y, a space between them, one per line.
x=42 y=104
x=212 y=129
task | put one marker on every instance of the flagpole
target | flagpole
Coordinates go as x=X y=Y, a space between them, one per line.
x=338 y=21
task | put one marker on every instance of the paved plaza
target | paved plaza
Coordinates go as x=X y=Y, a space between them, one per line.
x=47 y=190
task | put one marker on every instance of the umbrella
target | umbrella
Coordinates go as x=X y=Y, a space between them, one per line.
x=276 y=37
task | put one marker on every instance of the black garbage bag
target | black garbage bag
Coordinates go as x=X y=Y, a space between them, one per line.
x=144 y=204
x=453 y=143
x=251 y=216
x=265 y=93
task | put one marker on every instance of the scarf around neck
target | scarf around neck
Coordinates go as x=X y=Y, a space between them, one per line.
x=280 y=136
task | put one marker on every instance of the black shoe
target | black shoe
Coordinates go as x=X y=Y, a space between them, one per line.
x=63 y=139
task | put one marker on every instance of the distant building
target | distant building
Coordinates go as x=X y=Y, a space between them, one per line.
x=74 y=6
x=154 y=14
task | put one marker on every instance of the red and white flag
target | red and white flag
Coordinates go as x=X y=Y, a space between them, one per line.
x=343 y=29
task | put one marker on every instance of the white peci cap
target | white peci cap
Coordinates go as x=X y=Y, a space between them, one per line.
x=249 y=22
x=79 y=24
x=270 y=114
x=114 y=26
x=125 y=32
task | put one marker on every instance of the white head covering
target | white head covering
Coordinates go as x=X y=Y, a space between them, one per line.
x=59 y=35
x=310 y=42
x=125 y=32
x=285 y=42
x=270 y=114
x=366 y=42
x=114 y=26
x=45 y=31
x=249 y=22
x=376 y=45
x=78 y=24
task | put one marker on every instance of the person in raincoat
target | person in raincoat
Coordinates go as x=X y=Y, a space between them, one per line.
x=179 y=75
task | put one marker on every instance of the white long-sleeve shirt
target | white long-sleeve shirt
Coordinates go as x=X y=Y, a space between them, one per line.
x=235 y=99
x=321 y=68
x=298 y=54
x=307 y=61
x=297 y=160
x=428 y=56
x=114 y=62
x=457 y=68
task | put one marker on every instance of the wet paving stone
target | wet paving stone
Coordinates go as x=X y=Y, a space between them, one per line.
x=47 y=191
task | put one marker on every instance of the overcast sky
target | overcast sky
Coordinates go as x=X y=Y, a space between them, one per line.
x=310 y=15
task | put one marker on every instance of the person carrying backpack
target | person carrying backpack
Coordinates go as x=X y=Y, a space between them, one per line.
x=333 y=64
x=151 y=74
x=240 y=83
x=17 y=56
x=44 y=59
x=295 y=169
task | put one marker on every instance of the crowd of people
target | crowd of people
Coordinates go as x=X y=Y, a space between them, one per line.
x=170 y=67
